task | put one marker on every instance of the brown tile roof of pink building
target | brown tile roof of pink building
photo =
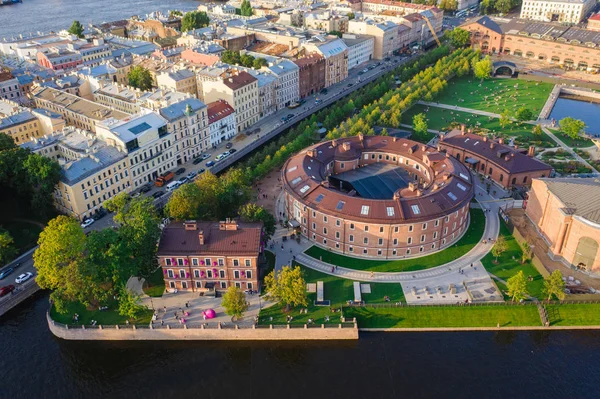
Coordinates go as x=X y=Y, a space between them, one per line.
x=177 y=240
x=238 y=79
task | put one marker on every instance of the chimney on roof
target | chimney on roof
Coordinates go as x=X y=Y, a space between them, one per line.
x=361 y=137
x=492 y=145
x=531 y=152
x=333 y=143
x=228 y=224
x=190 y=225
x=412 y=186
x=462 y=129
x=201 y=237
x=485 y=139
x=394 y=139
x=507 y=158
x=346 y=146
x=501 y=140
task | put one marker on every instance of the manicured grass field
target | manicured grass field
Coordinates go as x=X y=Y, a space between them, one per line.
x=441 y=119
x=465 y=244
x=155 y=284
x=338 y=291
x=574 y=314
x=445 y=316
x=501 y=94
x=508 y=267
x=107 y=317
x=580 y=142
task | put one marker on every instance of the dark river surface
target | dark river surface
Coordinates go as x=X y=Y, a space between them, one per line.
x=35 y=364
x=583 y=110
x=47 y=15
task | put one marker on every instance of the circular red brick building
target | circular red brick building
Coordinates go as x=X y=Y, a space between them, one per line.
x=377 y=196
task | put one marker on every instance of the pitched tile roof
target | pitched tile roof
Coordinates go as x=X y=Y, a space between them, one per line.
x=580 y=196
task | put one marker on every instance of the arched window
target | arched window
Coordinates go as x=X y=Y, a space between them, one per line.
x=518 y=53
x=490 y=172
x=525 y=179
x=501 y=177
x=530 y=54
x=514 y=180
x=555 y=59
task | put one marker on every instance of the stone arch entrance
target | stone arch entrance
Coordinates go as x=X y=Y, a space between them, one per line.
x=504 y=68
x=585 y=254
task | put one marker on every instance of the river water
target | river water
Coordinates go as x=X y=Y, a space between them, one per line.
x=584 y=110
x=35 y=364
x=47 y=15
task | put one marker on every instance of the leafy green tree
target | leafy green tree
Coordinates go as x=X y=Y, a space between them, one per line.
x=7 y=247
x=504 y=6
x=43 y=176
x=571 y=127
x=138 y=223
x=554 y=286
x=140 y=78
x=247 y=60
x=482 y=69
x=287 y=286
x=58 y=261
x=246 y=8
x=175 y=13
x=251 y=212
x=194 y=20
x=234 y=302
x=351 y=16
x=259 y=63
x=526 y=252
x=458 y=36
x=129 y=303
x=537 y=130
x=499 y=247
x=420 y=125
x=336 y=33
x=505 y=118
x=76 y=29
x=517 y=286
x=524 y=114
x=6 y=142
x=184 y=203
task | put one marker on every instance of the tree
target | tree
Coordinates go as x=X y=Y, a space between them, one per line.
x=175 y=13
x=459 y=37
x=420 y=125
x=554 y=286
x=449 y=5
x=259 y=63
x=246 y=8
x=184 y=203
x=287 y=286
x=194 y=20
x=351 y=16
x=76 y=29
x=140 y=78
x=571 y=127
x=58 y=261
x=523 y=114
x=526 y=252
x=517 y=286
x=499 y=247
x=234 y=302
x=251 y=212
x=43 y=175
x=537 y=130
x=504 y=118
x=504 y=6
x=482 y=69
x=336 y=33
x=7 y=247
x=6 y=142
x=129 y=303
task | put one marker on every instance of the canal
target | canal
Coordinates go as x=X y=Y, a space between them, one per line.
x=586 y=111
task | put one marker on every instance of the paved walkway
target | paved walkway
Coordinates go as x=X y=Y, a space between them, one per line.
x=457 y=108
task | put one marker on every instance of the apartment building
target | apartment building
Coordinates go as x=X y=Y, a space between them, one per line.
x=145 y=139
x=221 y=122
x=360 y=49
x=384 y=33
x=181 y=80
x=9 y=87
x=197 y=256
x=122 y=98
x=335 y=52
x=21 y=126
x=565 y=11
x=187 y=123
x=92 y=170
x=240 y=90
x=76 y=111
x=311 y=74
x=326 y=21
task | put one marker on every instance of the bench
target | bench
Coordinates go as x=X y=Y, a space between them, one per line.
x=320 y=295
x=357 y=295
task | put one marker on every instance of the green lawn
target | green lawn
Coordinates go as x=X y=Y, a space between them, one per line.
x=338 y=291
x=574 y=314
x=501 y=94
x=580 y=142
x=155 y=284
x=441 y=119
x=445 y=316
x=566 y=168
x=107 y=317
x=508 y=267
x=464 y=245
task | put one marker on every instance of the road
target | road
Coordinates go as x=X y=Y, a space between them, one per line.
x=270 y=127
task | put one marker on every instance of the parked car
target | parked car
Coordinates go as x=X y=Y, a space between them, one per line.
x=197 y=160
x=210 y=163
x=180 y=171
x=318 y=101
x=173 y=186
x=145 y=189
x=228 y=145
x=158 y=194
x=191 y=175
x=6 y=290
x=205 y=156
x=232 y=151
x=202 y=170
x=87 y=223
x=183 y=181
x=365 y=70
x=350 y=84
x=6 y=272
x=290 y=116
x=323 y=91
x=100 y=214
x=360 y=73
x=23 y=277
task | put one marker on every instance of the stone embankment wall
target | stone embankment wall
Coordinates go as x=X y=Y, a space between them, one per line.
x=200 y=333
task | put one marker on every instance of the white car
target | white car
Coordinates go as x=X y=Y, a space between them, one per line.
x=87 y=223
x=23 y=277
